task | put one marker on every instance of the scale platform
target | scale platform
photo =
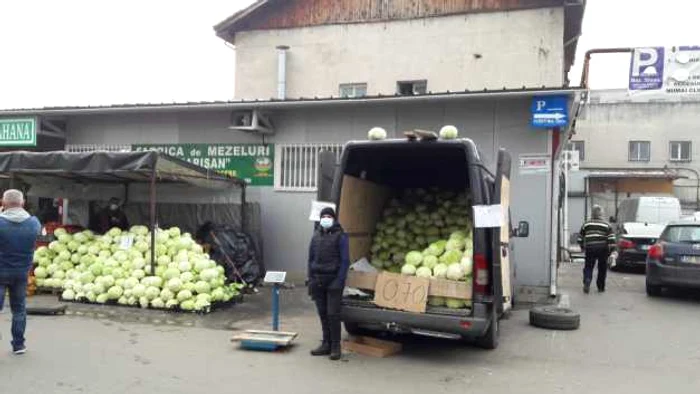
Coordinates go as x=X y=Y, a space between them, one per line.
x=264 y=340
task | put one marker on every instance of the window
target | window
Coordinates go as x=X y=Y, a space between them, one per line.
x=578 y=146
x=680 y=151
x=640 y=151
x=351 y=90
x=296 y=165
x=412 y=88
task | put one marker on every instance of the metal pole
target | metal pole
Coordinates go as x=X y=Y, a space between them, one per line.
x=567 y=162
x=154 y=225
x=276 y=307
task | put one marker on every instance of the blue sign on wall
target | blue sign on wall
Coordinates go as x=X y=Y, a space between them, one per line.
x=647 y=69
x=550 y=111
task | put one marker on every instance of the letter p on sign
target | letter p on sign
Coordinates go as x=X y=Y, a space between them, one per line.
x=541 y=105
x=643 y=58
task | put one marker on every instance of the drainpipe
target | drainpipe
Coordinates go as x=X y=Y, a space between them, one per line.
x=587 y=61
x=282 y=72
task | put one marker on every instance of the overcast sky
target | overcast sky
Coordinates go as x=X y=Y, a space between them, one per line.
x=83 y=52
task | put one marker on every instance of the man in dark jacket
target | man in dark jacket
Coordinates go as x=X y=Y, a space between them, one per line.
x=18 y=233
x=329 y=260
x=112 y=216
x=597 y=240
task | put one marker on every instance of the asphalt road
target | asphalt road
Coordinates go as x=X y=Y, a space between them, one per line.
x=628 y=343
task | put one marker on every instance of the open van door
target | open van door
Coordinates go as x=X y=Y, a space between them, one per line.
x=501 y=237
x=327 y=167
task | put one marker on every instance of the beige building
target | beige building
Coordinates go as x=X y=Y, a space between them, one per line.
x=347 y=48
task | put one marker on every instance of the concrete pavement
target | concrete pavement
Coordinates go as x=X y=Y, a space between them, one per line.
x=628 y=343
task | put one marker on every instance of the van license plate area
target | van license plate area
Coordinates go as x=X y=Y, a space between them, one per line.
x=690 y=259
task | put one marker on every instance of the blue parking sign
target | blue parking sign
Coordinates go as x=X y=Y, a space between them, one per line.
x=549 y=111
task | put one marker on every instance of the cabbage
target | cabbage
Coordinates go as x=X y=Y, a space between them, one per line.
x=218 y=294
x=201 y=305
x=68 y=295
x=115 y=292
x=454 y=244
x=187 y=305
x=170 y=304
x=138 y=274
x=171 y=273
x=440 y=271
x=376 y=133
x=139 y=290
x=184 y=295
x=408 y=269
x=455 y=272
x=430 y=262
x=40 y=273
x=187 y=277
x=414 y=258
x=436 y=301
x=102 y=298
x=467 y=265
x=208 y=274
x=174 y=232
x=184 y=266
x=424 y=272
x=143 y=302
x=158 y=303
x=174 y=285
x=451 y=257
x=454 y=303
x=167 y=295
x=202 y=287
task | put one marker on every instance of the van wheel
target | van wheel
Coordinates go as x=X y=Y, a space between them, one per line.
x=653 y=291
x=490 y=339
x=554 y=318
x=354 y=329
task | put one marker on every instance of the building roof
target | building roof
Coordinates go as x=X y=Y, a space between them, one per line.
x=288 y=103
x=278 y=14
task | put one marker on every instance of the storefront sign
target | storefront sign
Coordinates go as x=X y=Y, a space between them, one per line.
x=18 y=132
x=534 y=164
x=253 y=163
x=674 y=70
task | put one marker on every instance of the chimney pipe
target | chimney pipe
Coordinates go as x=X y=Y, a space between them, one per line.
x=282 y=72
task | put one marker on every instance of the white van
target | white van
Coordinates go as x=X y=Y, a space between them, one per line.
x=640 y=222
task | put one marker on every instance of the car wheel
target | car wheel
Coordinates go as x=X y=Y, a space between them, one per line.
x=490 y=339
x=554 y=318
x=653 y=291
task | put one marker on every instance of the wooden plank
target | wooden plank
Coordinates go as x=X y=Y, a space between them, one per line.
x=401 y=292
x=438 y=287
x=372 y=347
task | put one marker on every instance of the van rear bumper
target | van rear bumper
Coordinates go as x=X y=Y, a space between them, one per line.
x=465 y=325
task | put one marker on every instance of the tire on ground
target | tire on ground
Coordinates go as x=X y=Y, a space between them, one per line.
x=555 y=318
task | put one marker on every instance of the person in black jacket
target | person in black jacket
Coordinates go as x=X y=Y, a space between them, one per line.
x=597 y=240
x=329 y=260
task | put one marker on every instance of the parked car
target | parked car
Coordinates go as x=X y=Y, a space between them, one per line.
x=674 y=261
x=640 y=222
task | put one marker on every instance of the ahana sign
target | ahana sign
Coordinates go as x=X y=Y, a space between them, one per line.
x=254 y=163
x=18 y=132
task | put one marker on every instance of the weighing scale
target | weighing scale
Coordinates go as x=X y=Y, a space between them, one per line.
x=268 y=340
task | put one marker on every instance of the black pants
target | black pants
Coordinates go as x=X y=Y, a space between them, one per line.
x=593 y=257
x=328 y=308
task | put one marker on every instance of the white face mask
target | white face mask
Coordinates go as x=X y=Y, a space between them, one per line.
x=326 y=222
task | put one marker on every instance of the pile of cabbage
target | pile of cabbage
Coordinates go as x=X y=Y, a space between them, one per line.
x=427 y=233
x=115 y=267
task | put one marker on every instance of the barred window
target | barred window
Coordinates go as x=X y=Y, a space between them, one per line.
x=296 y=165
x=98 y=147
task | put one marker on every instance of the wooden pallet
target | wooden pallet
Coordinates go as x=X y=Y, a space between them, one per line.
x=372 y=347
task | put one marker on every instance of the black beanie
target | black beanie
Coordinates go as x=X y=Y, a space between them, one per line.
x=327 y=211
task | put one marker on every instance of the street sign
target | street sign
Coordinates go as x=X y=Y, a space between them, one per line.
x=18 y=132
x=550 y=111
x=275 y=277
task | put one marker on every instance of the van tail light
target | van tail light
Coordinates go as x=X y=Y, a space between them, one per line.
x=625 y=244
x=481 y=274
x=656 y=252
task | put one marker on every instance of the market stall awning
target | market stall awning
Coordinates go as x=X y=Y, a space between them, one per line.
x=110 y=167
x=641 y=173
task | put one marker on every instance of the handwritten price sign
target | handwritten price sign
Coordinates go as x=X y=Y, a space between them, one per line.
x=405 y=293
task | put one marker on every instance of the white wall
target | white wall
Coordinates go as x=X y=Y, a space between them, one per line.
x=519 y=48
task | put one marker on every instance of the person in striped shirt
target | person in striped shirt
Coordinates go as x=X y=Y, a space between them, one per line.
x=597 y=241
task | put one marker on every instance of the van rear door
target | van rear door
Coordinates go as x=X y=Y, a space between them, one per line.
x=501 y=272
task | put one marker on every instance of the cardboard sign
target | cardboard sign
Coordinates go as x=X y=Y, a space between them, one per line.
x=404 y=293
